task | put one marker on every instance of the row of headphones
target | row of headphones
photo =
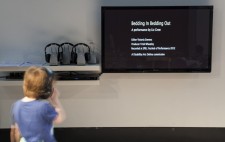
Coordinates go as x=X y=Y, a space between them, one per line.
x=71 y=56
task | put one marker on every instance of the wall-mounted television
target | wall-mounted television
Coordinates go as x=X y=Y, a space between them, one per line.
x=156 y=38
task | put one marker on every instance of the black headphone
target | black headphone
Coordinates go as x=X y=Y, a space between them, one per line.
x=60 y=54
x=67 y=44
x=48 y=55
x=73 y=56
x=87 y=55
x=47 y=89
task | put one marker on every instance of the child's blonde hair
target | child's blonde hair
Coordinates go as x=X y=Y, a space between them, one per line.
x=37 y=82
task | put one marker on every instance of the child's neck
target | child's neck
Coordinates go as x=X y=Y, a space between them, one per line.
x=28 y=99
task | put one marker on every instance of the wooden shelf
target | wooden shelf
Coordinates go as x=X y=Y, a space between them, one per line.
x=59 y=83
x=86 y=68
x=94 y=68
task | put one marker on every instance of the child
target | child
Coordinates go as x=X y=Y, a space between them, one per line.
x=33 y=116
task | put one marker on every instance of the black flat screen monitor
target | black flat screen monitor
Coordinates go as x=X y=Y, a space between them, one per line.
x=156 y=39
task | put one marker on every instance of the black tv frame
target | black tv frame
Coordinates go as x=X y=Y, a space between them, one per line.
x=150 y=70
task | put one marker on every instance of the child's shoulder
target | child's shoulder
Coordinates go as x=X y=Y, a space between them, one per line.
x=34 y=102
x=42 y=102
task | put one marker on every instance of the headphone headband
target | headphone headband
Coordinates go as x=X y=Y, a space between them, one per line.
x=50 y=44
x=66 y=43
x=84 y=44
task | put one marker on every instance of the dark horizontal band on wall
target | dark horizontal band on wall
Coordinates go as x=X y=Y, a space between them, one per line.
x=134 y=134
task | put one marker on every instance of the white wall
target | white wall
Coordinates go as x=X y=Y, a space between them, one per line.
x=121 y=99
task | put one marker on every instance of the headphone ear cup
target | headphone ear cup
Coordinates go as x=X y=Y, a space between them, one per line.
x=60 y=57
x=73 y=57
x=87 y=57
x=60 y=54
x=47 y=88
x=47 y=58
x=46 y=93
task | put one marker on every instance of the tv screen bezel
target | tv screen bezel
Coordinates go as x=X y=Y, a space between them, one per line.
x=150 y=70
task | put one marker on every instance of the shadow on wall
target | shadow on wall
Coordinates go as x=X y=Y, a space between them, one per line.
x=106 y=90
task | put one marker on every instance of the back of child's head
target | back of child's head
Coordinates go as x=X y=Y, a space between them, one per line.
x=38 y=82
